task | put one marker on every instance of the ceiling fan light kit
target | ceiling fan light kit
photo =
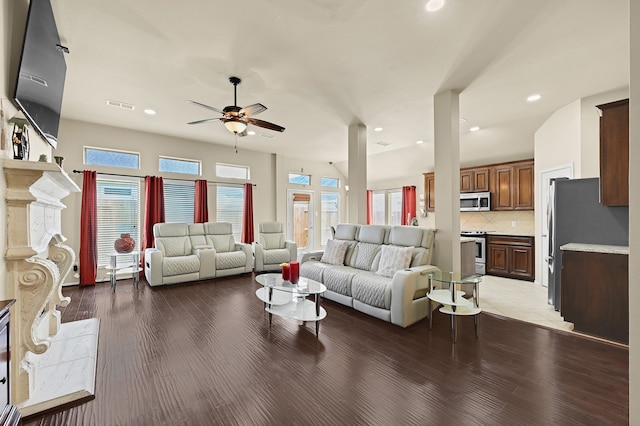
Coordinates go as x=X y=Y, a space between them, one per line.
x=237 y=119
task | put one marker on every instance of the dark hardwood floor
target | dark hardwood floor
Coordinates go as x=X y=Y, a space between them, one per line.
x=203 y=354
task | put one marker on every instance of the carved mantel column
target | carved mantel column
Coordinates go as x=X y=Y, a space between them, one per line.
x=37 y=262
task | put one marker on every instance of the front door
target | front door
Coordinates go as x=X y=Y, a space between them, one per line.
x=300 y=218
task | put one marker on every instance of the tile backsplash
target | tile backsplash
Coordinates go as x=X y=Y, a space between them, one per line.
x=497 y=221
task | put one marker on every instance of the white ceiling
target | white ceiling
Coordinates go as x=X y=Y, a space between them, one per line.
x=320 y=65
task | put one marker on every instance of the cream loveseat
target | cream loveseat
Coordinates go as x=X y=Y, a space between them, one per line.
x=379 y=270
x=197 y=251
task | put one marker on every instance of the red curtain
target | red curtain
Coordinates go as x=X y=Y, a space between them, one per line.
x=369 y=207
x=200 y=208
x=247 y=216
x=88 y=256
x=408 y=204
x=153 y=210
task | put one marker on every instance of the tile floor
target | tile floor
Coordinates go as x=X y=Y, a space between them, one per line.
x=522 y=300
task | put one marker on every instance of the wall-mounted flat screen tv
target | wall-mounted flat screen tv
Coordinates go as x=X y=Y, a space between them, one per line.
x=42 y=72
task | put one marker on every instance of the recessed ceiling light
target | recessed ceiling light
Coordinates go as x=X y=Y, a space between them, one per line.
x=474 y=129
x=149 y=111
x=419 y=142
x=534 y=98
x=251 y=133
x=378 y=129
x=434 y=5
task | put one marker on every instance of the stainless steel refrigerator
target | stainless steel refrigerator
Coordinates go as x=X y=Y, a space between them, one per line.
x=576 y=216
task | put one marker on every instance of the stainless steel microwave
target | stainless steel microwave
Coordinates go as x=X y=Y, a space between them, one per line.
x=475 y=201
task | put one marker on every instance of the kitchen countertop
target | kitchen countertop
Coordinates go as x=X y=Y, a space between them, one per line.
x=596 y=248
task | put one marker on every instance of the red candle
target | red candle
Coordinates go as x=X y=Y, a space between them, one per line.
x=285 y=271
x=295 y=271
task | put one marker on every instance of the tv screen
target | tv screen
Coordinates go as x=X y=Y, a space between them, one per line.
x=42 y=72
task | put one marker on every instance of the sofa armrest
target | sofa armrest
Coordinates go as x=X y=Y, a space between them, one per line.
x=207 y=257
x=153 y=266
x=246 y=248
x=258 y=254
x=406 y=286
x=313 y=255
x=292 y=246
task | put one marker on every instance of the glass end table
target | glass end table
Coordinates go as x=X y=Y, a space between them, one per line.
x=452 y=300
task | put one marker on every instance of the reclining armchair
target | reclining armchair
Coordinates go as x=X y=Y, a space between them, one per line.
x=272 y=249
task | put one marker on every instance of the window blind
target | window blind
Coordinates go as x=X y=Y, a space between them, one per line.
x=179 y=199
x=230 y=206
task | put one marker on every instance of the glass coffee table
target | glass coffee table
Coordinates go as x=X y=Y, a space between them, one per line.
x=452 y=300
x=288 y=300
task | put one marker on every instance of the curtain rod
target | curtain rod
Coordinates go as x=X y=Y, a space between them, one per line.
x=142 y=177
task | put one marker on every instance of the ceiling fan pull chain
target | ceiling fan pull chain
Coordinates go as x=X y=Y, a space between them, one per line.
x=236 y=135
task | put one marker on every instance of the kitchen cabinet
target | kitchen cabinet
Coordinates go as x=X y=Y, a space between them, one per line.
x=512 y=186
x=614 y=153
x=474 y=180
x=10 y=414
x=594 y=293
x=511 y=256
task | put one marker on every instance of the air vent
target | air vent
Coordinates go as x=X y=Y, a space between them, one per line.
x=383 y=143
x=34 y=78
x=120 y=105
x=267 y=136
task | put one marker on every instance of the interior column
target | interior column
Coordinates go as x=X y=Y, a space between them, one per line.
x=357 y=194
x=447 y=178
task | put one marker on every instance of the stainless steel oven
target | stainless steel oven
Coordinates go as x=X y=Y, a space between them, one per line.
x=481 y=249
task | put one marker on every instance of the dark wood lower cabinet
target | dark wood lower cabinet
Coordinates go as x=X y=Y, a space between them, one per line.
x=511 y=256
x=594 y=294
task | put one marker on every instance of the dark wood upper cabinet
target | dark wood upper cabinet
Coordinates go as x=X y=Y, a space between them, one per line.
x=430 y=192
x=523 y=186
x=614 y=153
x=474 y=180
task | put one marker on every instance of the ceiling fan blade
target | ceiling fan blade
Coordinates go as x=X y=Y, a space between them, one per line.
x=254 y=109
x=265 y=124
x=205 y=106
x=205 y=120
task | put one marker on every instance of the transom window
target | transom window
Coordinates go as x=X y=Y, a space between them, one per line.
x=179 y=165
x=330 y=182
x=231 y=171
x=109 y=157
x=299 y=179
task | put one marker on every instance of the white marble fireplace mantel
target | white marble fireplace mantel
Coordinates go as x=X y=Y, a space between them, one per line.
x=38 y=262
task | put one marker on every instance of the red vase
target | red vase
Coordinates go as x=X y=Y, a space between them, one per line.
x=124 y=244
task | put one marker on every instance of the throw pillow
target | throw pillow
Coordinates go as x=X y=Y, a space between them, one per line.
x=392 y=259
x=335 y=251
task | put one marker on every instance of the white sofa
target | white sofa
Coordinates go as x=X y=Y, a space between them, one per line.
x=271 y=249
x=189 y=252
x=398 y=296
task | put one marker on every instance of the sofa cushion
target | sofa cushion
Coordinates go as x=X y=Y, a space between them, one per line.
x=230 y=260
x=180 y=265
x=338 y=279
x=173 y=246
x=406 y=236
x=222 y=243
x=313 y=270
x=365 y=254
x=345 y=231
x=335 y=251
x=393 y=258
x=276 y=256
x=374 y=234
x=372 y=289
x=272 y=241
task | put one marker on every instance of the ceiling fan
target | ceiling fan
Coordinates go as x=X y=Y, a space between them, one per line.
x=235 y=118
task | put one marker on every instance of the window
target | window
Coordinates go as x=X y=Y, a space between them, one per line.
x=387 y=207
x=330 y=182
x=330 y=214
x=231 y=171
x=176 y=165
x=379 y=208
x=179 y=198
x=230 y=206
x=107 y=157
x=299 y=179
x=395 y=207
x=118 y=213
